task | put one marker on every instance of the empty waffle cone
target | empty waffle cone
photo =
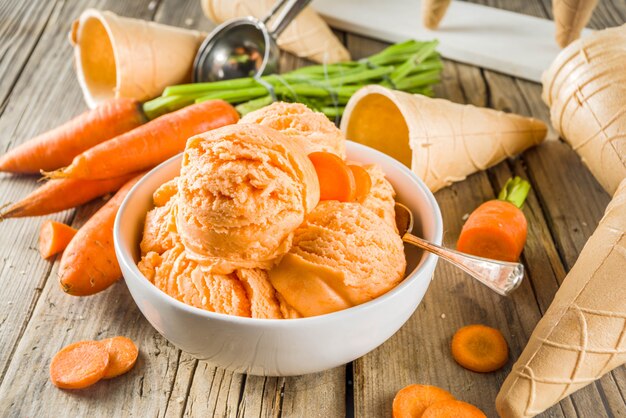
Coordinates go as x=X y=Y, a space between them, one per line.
x=570 y=17
x=122 y=57
x=585 y=88
x=433 y=11
x=307 y=36
x=582 y=335
x=442 y=142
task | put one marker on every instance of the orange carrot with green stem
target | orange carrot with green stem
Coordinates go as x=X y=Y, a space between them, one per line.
x=89 y=264
x=497 y=229
x=57 y=147
x=57 y=195
x=150 y=144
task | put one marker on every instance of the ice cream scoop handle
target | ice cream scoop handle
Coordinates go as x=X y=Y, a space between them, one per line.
x=500 y=276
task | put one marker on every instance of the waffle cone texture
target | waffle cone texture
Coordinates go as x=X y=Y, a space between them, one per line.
x=442 y=142
x=585 y=88
x=307 y=36
x=582 y=335
x=118 y=56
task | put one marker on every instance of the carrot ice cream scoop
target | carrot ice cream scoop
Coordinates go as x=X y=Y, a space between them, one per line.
x=242 y=191
x=342 y=255
x=312 y=130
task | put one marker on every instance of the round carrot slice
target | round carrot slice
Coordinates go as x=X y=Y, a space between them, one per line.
x=363 y=182
x=335 y=178
x=79 y=365
x=452 y=408
x=122 y=356
x=480 y=348
x=413 y=400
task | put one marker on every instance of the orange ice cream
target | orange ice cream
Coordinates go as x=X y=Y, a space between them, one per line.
x=380 y=199
x=342 y=255
x=242 y=191
x=184 y=279
x=313 y=131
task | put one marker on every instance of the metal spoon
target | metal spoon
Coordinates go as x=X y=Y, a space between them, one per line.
x=500 y=276
x=244 y=47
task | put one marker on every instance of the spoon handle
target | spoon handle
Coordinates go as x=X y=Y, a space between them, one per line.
x=501 y=276
x=291 y=9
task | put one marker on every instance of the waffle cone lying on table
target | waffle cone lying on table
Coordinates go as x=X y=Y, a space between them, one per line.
x=581 y=335
x=585 y=90
x=242 y=226
x=442 y=142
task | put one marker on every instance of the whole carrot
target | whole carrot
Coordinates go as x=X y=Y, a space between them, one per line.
x=497 y=229
x=56 y=148
x=150 y=144
x=88 y=264
x=57 y=195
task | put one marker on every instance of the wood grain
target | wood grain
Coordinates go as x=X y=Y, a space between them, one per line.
x=37 y=319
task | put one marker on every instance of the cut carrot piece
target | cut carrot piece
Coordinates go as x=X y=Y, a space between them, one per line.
x=54 y=237
x=79 y=365
x=363 y=182
x=480 y=348
x=122 y=356
x=413 y=400
x=335 y=178
x=453 y=409
x=497 y=229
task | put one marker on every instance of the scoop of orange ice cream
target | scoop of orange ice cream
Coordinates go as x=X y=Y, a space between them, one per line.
x=313 y=131
x=159 y=231
x=261 y=293
x=243 y=190
x=184 y=279
x=380 y=199
x=342 y=255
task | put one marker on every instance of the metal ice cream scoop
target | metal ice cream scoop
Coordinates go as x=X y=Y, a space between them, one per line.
x=244 y=47
x=500 y=276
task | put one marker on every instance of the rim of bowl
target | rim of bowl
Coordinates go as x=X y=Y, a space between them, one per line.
x=127 y=260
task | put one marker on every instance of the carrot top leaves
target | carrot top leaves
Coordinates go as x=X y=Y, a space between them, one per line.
x=515 y=191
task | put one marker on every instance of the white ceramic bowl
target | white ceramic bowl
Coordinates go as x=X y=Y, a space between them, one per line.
x=275 y=347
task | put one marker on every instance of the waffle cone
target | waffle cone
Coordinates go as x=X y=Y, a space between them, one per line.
x=582 y=335
x=307 y=36
x=433 y=11
x=570 y=17
x=586 y=91
x=442 y=142
x=122 y=57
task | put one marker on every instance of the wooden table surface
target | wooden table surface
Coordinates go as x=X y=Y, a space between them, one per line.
x=38 y=90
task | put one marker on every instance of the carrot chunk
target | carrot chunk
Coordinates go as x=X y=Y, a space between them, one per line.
x=122 y=356
x=79 y=365
x=480 y=348
x=54 y=237
x=363 y=182
x=497 y=229
x=453 y=408
x=413 y=400
x=335 y=178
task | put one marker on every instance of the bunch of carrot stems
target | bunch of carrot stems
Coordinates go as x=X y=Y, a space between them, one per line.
x=411 y=66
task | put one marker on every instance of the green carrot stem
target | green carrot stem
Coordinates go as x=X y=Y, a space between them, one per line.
x=515 y=191
x=419 y=80
x=184 y=89
x=252 y=105
x=403 y=69
x=333 y=111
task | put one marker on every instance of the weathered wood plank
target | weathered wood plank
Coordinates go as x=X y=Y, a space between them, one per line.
x=21 y=25
x=40 y=100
